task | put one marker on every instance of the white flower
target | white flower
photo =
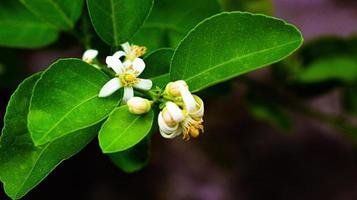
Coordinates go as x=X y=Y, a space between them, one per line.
x=89 y=55
x=138 y=105
x=126 y=76
x=174 y=121
x=169 y=119
x=131 y=52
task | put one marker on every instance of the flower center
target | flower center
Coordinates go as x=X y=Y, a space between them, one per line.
x=128 y=79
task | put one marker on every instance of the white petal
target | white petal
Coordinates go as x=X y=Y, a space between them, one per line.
x=144 y=84
x=89 y=54
x=128 y=94
x=126 y=47
x=115 y=64
x=167 y=131
x=188 y=99
x=138 y=65
x=198 y=113
x=119 y=54
x=110 y=87
x=175 y=112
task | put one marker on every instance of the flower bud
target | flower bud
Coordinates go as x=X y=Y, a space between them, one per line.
x=172 y=114
x=89 y=55
x=173 y=88
x=138 y=105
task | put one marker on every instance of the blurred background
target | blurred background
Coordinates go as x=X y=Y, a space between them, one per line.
x=285 y=132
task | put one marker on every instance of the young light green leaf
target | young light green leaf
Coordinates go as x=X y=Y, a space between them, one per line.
x=123 y=130
x=62 y=14
x=116 y=21
x=230 y=44
x=170 y=20
x=21 y=29
x=341 y=68
x=133 y=159
x=22 y=165
x=65 y=99
x=158 y=66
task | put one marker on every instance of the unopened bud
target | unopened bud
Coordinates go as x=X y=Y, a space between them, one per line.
x=89 y=55
x=172 y=114
x=173 y=88
x=138 y=105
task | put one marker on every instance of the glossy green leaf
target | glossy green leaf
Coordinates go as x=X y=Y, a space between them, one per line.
x=62 y=14
x=255 y=6
x=158 y=66
x=21 y=29
x=230 y=44
x=65 y=99
x=123 y=130
x=170 y=20
x=340 y=68
x=133 y=159
x=22 y=165
x=116 y=21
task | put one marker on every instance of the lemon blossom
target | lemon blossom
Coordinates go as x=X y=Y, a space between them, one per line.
x=188 y=120
x=126 y=76
x=138 y=105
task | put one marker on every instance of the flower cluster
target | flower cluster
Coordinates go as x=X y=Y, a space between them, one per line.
x=126 y=71
x=183 y=115
x=182 y=112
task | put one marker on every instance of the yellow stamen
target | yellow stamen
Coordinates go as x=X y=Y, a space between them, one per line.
x=129 y=78
x=138 y=50
x=192 y=128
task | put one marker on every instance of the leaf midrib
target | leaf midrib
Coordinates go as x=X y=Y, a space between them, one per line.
x=64 y=116
x=123 y=132
x=59 y=10
x=239 y=59
x=32 y=168
x=115 y=34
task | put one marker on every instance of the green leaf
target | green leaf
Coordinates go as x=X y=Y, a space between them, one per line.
x=158 y=66
x=170 y=20
x=230 y=44
x=116 y=21
x=21 y=29
x=133 y=159
x=65 y=100
x=22 y=165
x=255 y=6
x=62 y=14
x=341 y=68
x=123 y=130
